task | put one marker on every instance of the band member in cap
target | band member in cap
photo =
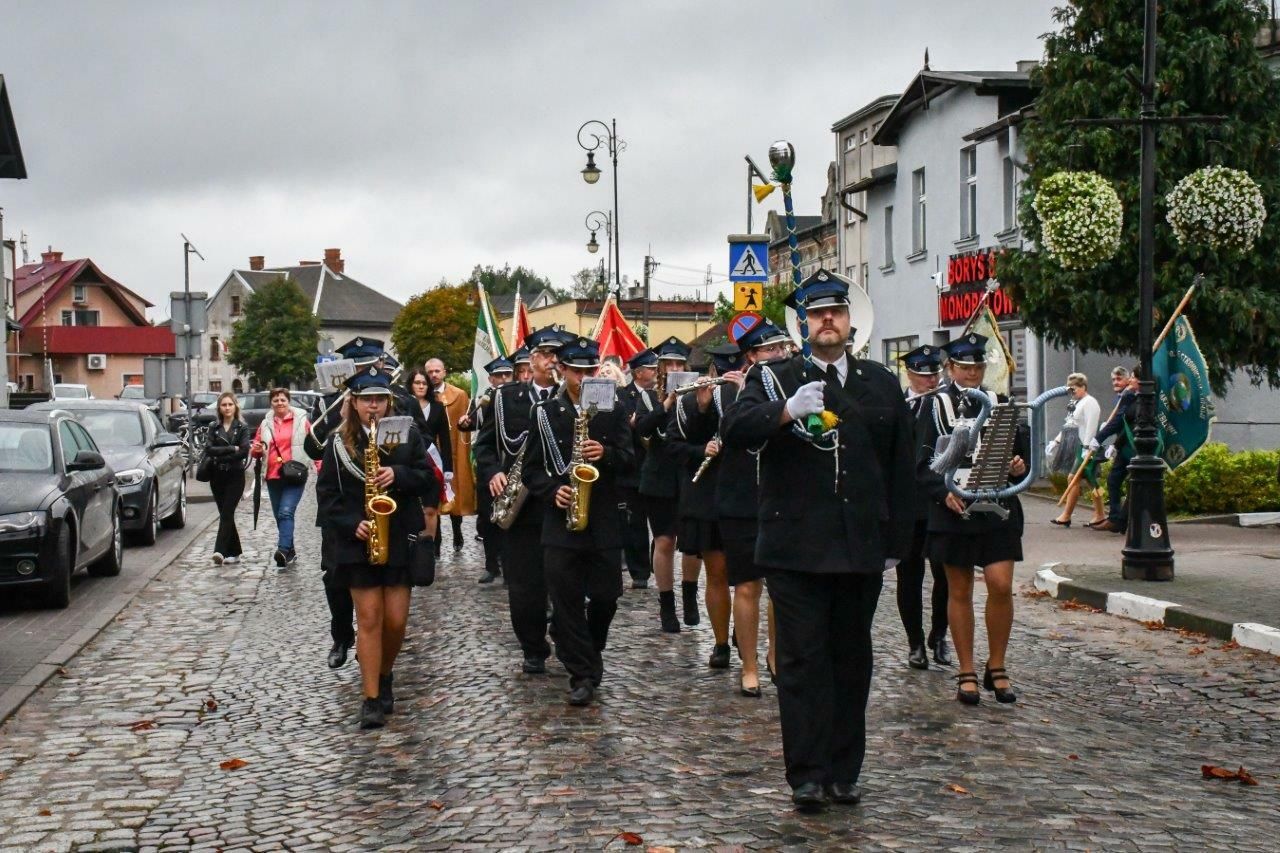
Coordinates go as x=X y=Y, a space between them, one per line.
x=924 y=368
x=837 y=502
x=639 y=398
x=520 y=360
x=500 y=371
x=583 y=568
x=961 y=542
x=503 y=439
x=456 y=402
x=381 y=592
x=697 y=448
x=660 y=487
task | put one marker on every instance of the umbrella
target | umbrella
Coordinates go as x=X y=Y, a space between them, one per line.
x=257 y=490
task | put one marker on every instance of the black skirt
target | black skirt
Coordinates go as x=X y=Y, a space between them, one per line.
x=967 y=550
x=365 y=576
x=698 y=537
x=661 y=513
x=739 y=538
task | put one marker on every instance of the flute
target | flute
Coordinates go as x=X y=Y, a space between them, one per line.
x=704 y=382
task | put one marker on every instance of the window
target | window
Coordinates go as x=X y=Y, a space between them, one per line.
x=968 y=193
x=851 y=273
x=865 y=278
x=1010 y=190
x=888 y=236
x=235 y=306
x=83 y=438
x=849 y=218
x=79 y=293
x=68 y=318
x=894 y=349
x=130 y=379
x=919 y=206
x=862 y=137
x=851 y=142
x=215 y=386
x=215 y=349
x=80 y=317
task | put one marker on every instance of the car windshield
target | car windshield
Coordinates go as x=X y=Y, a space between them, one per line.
x=133 y=392
x=25 y=447
x=112 y=428
x=70 y=392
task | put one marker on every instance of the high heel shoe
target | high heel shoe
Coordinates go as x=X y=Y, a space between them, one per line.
x=967 y=697
x=753 y=692
x=1003 y=694
x=1066 y=523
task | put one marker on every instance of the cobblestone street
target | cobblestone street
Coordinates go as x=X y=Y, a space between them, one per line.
x=212 y=664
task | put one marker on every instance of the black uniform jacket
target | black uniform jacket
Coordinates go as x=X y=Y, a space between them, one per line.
x=633 y=398
x=501 y=434
x=340 y=494
x=734 y=470
x=687 y=435
x=933 y=421
x=604 y=527
x=660 y=474
x=830 y=511
x=228 y=449
x=918 y=404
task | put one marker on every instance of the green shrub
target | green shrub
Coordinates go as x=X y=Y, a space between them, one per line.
x=1218 y=481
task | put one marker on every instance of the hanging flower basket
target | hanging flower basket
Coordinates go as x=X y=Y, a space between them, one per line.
x=1217 y=207
x=1080 y=219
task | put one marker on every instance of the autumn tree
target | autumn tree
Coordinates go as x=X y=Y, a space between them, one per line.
x=438 y=323
x=1207 y=65
x=274 y=343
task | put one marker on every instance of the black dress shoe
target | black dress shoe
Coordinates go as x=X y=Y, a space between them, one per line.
x=809 y=797
x=719 y=657
x=371 y=716
x=534 y=665
x=582 y=695
x=487 y=577
x=338 y=654
x=918 y=659
x=639 y=583
x=845 y=793
x=941 y=656
x=689 y=598
x=667 y=612
x=385 y=697
x=1004 y=695
x=753 y=692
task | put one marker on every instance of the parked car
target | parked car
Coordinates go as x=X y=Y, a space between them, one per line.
x=254 y=406
x=59 y=505
x=71 y=391
x=147 y=461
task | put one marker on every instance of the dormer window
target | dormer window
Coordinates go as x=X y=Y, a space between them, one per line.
x=80 y=293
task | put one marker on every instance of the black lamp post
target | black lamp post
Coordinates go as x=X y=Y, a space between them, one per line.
x=597 y=220
x=591 y=142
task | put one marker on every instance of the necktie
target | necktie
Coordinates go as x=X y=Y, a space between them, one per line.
x=832 y=374
x=543 y=394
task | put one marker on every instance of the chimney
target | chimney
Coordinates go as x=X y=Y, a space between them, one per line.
x=257 y=262
x=1026 y=66
x=50 y=257
x=333 y=260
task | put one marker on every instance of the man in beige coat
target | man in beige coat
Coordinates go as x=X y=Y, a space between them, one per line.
x=455 y=402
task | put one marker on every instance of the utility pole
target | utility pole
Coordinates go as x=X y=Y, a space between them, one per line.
x=649 y=266
x=187 y=250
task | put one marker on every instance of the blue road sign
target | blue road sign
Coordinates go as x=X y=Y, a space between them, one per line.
x=743 y=323
x=749 y=260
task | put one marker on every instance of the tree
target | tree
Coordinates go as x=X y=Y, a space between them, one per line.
x=275 y=341
x=589 y=284
x=438 y=323
x=1207 y=65
x=503 y=281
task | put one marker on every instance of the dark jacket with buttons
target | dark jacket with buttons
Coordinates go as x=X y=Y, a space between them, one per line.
x=689 y=432
x=604 y=527
x=633 y=398
x=734 y=469
x=499 y=439
x=842 y=510
x=229 y=449
x=660 y=474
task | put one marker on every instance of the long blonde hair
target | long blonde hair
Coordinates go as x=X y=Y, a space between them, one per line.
x=351 y=427
x=234 y=400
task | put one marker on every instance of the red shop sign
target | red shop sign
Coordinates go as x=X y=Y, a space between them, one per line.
x=957 y=304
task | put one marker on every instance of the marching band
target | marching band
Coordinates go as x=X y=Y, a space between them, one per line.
x=809 y=475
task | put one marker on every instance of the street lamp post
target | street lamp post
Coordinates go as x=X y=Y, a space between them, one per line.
x=595 y=221
x=591 y=142
x=188 y=249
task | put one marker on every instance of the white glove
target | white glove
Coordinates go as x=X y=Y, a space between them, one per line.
x=807 y=400
x=1093 y=445
x=1110 y=452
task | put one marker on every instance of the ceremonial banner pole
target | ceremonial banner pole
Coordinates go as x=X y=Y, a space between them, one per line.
x=782 y=157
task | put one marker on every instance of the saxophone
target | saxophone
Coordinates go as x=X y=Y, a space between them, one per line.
x=378 y=505
x=581 y=475
x=506 y=506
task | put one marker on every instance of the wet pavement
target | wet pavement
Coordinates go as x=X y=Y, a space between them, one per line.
x=205 y=718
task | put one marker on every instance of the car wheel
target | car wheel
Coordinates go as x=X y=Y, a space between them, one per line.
x=151 y=527
x=178 y=518
x=108 y=566
x=57 y=593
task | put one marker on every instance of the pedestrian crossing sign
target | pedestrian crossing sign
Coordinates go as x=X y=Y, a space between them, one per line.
x=748 y=257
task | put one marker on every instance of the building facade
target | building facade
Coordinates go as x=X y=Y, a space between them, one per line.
x=817 y=237
x=856 y=159
x=346 y=308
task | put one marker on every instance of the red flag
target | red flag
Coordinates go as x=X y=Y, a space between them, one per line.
x=520 y=323
x=614 y=335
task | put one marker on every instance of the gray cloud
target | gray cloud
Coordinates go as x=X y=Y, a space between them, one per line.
x=423 y=138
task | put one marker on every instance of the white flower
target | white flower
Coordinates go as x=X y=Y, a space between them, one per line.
x=1081 y=218
x=1218 y=207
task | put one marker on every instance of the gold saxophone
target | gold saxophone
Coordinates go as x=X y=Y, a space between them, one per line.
x=581 y=475
x=378 y=505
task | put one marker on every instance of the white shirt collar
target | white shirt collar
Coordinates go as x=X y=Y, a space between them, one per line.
x=841 y=364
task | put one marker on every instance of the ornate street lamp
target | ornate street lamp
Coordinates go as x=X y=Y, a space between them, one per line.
x=591 y=140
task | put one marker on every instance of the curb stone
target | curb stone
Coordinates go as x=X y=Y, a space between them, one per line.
x=1252 y=635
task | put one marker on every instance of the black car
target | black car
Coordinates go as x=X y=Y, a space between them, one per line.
x=59 y=508
x=256 y=405
x=147 y=460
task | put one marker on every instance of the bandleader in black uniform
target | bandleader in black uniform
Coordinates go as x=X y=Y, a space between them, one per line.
x=583 y=568
x=638 y=397
x=836 y=510
x=924 y=367
x=500 y=371
x=497 y=445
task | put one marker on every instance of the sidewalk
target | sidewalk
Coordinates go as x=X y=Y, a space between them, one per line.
x=1224 y=575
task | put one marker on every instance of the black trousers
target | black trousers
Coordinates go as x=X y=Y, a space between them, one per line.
x=585 y=587
x=911 y=588
x=490 y=533
x=635 y=533
x=227 y=488
x=1116 y=510
x=521 y=546
x=342 y=612
x=824 y=671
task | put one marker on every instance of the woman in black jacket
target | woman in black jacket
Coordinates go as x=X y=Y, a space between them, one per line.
x=380 y=592
x=227 y=444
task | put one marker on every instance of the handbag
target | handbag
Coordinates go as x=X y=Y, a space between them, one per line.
x=422 y=560
x=205 y=468
x=293 y=473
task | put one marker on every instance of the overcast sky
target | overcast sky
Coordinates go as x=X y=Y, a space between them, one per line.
x=425 y=137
